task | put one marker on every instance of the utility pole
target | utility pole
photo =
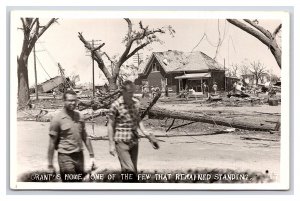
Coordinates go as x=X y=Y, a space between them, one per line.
x=92 y=54
x=137 y=58
x=94 y=43
x=35 y=74
x=225 y=75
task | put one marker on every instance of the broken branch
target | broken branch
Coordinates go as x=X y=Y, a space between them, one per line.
x=265 y=40
x=276 y=30
x=155 y=99
x=173 y=121
x=260 y=28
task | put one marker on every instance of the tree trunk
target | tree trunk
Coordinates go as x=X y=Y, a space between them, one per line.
x=23 y=85
x=112 y=84
x=242 y=123
x=276 y=51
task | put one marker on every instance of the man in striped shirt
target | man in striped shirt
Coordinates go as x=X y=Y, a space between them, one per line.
x=123 y=127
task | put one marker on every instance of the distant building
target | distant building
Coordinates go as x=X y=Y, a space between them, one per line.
x=251 y=80
x=178 y=70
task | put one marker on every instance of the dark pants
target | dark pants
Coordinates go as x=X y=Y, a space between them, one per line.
x=71 y=166
x=128 y=155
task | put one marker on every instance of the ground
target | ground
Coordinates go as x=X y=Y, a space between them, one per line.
x=203 y=145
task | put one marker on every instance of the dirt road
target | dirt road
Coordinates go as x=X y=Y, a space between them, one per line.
x=241 y=151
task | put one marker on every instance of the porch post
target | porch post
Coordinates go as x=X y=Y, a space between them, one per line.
x=201 y=85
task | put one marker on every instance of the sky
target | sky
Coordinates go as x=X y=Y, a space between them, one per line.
x=60 y=43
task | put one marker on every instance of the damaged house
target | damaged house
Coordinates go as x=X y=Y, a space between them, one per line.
x=51 y=84
x=177 y=70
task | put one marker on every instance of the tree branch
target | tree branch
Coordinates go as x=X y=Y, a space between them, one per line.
x=47 y=26
x=28 y=22
x=146 y=32
x=144 y=29
x=129 y=28
x=137 y=49
x=96 y=56
x=38 y=33
x=129 y=42
x=139 y=36
x=269 y=42
x=251 y=31
x=108 y=57
x=260 y=28
x=97 y=48
x=25 y=28
x=32 y=24
x=276 y=31
x=23 y=23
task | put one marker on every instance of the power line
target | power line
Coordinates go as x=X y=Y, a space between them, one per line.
x=209 y=41
x=50 y=55
x=230 y=37
x=198 y=42
x=43 y=66
x=45 y=70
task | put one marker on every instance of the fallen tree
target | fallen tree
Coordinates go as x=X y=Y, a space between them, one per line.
x=101 y=105
x=198 y=117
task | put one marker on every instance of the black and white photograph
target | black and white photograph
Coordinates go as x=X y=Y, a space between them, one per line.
x=149 y=100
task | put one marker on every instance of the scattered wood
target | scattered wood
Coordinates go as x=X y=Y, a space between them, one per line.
x=268 y=113
x=106 y=138
x=215 y=98
x=170 y=136
x=277 y=126
x=173 y=121
x=182 y=125
x=275 y=132
x=241 y=95
x=255 y=138
x=273 y=102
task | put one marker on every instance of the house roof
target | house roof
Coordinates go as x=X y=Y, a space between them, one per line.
x=193 y=75
x=54 y=79
x=178 y=61
x=142 y=66
x=233 y=77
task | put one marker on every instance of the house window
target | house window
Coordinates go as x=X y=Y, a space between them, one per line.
x=154 y=67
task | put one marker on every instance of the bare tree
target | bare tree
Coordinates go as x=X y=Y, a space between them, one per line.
x=32 y=31
x=233 y=70
x=257 y=69
x=244 y=69
x=134 y=40
x=262 y=34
